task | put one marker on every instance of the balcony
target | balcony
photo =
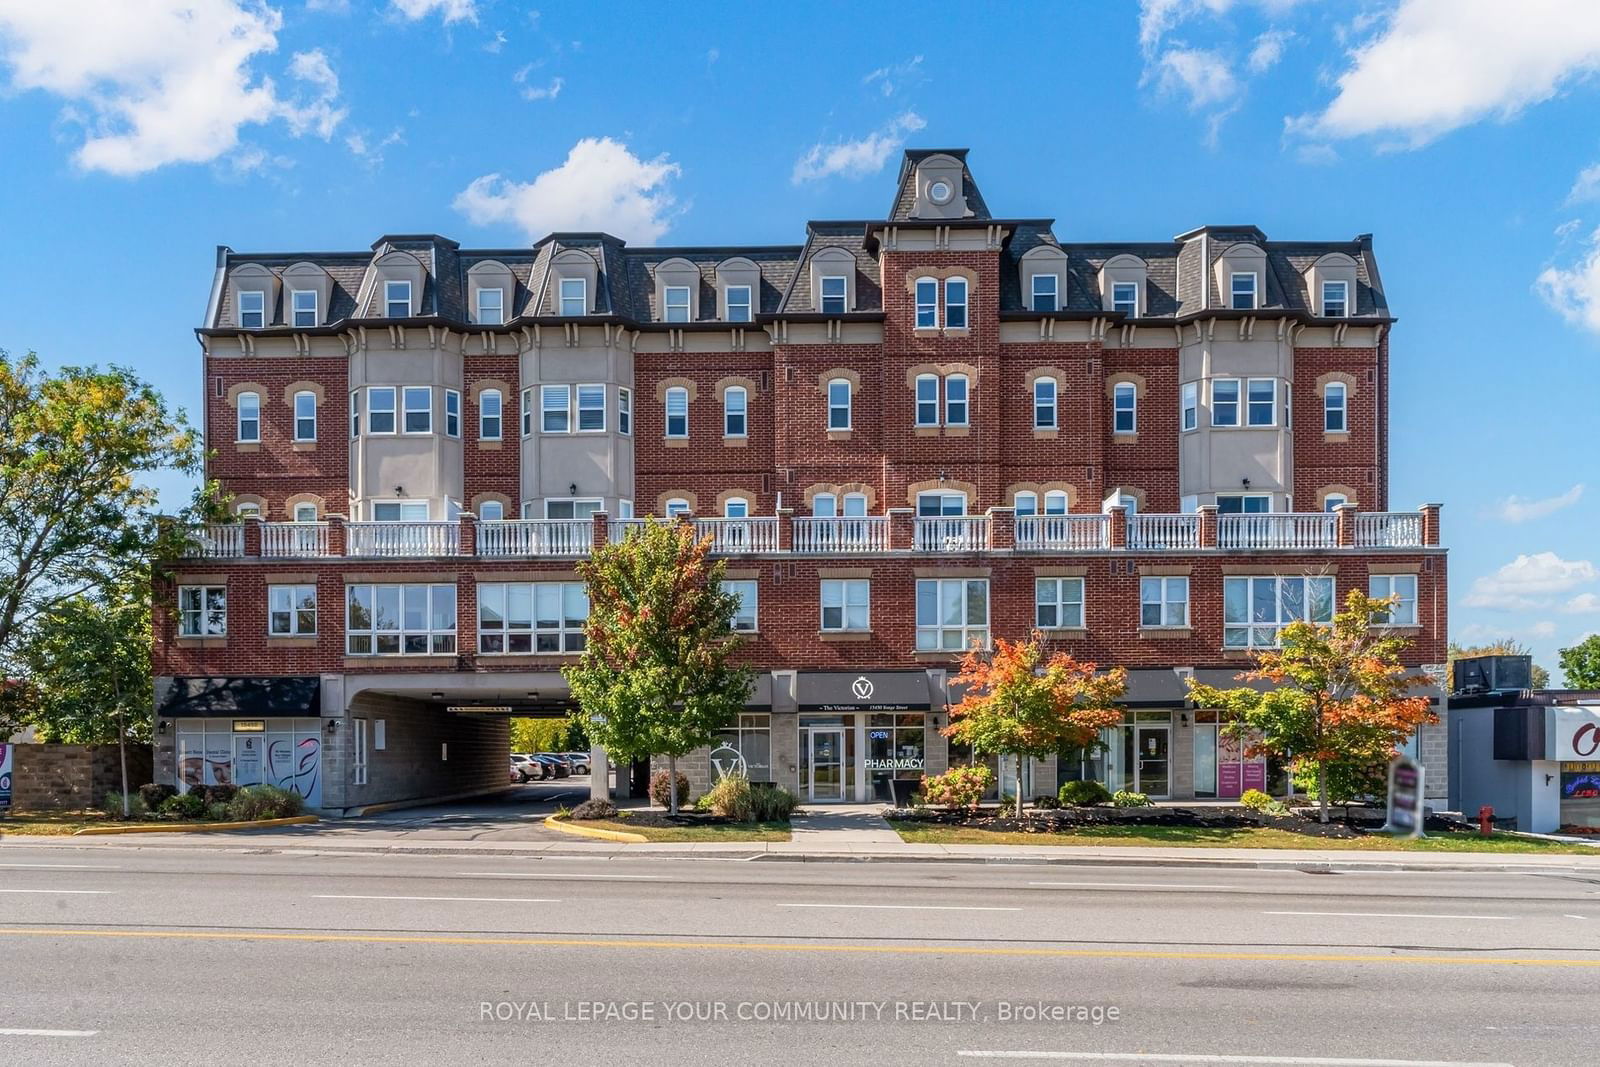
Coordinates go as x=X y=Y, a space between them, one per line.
x=294 y=540
x=1310 y=530
x=535 y=537
x=841 y=536
x=952 y=533
x=739 y=536
x=1160 y=533
x=1063 y=533
x=1389 y=529
x=393 y=540
x=217 y=540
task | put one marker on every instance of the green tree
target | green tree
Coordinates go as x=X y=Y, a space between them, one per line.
x=1338 y=705
x=538 y=735
x=1504 y=647
x=1021 y=702
x=1580 y=664
x=656 y=676
x=77 y=515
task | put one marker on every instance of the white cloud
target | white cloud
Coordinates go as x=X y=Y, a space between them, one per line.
x=369 y=152
x=891 y=79
x=1267 y=50
x=496 y=43
x=164 y=81
x=1518 y=509
x=1582 y=604
x=1203 y=75
x=1529 y=581
x=450 y=10
x=601 y=186
x=856 y=159
x=1587 y=185
x=1437 y=65
x=1574 y=290
x=712 y=55
x=1543 y=628
x=332 y=7
x=537 y=92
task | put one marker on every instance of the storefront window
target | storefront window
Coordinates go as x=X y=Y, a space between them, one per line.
x=895 y=750
x=283 y=752
x=751 y=738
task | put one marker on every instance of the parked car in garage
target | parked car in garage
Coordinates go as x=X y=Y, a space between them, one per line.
x=580 y=761
x=529 y=768
x=561 y=765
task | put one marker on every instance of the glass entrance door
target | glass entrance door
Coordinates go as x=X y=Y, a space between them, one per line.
x=825 y=746
x=1153 y=761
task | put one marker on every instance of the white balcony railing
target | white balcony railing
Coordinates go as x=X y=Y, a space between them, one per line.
x=1389 y=529
x=391 y=539
x=732 y=536
x=294 y=540
x=536 y=537
x=1066 y=533
x=953 y=533
x=1313 y=529
x=1155 y=533
x=843 y=535
x=218 y=540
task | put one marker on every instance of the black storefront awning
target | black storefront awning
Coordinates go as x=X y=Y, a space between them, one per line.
x=255 y=698
x=846 y=691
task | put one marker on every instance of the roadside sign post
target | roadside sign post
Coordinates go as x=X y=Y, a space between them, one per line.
x=1405 y=798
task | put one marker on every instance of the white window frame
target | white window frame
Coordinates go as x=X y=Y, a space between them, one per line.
x=295 y=310
x=452 y=413
x=624 y=508
x=1343 y=298
x=944 y=496
x=1056 y=502
x=1234 y=292
x=260 y=312
x=409 y=393
x=851 y=601
x=1169 y=597
x=834 y=407
x=1404 y=613
x=300 y=420
x=842 y=296
x=821 y=510
x=677 y=506
x=676 y=310
x=244 y=421
x=926 y=296
x=555 y=408
x=680 y=394
x=390 y=288
x=1025 y=502
x=736 y=507
x=1034 y=294
x=491 y=415
x=1063 y=598
x=1334 y=500
x=625 y=411
x=930 y=405
x=1189 y=407
x=1220 y=404
x=401 y=508
x=305 y=513
x=528 y=407
x=562 y=635
x=735 y=411
x=1125 y=298
x=436 y=641
x=964 y=416
x=567 y=298
x=747 y=303
x=955 y=310
x=1243 y=498
x=1341 y=408
x=1042 y=404
x=499 y=307
x=591 y=505
x=355 y=414
x=1251 y=403
x=202 y=611
x=746 y=619
x=853 y=506
x=1121 y=391
x=291 y=610
x=587 y=406
x=491 y=511
x=936 y=635
x=1250 y=632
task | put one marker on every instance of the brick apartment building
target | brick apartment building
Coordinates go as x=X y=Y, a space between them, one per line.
x=906 y=433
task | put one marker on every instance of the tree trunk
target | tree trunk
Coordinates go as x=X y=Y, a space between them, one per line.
x=1019 y=786
x=122 y=746
x=1322 y=789
x=672 y=784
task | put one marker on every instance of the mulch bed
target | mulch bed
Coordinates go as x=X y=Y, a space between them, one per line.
x=1343 y=825
x=663 y=821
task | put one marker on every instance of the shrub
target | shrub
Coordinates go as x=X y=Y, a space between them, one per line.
x=959 y=787
x=190 y=805
x=255 y=802
x=112 y=805
x=773 y=804
x=1256 y=800
x=1083 y=794
x=730 y=798
x=217 y=812
x=1046 y=802
x=220 y=794
x=597 y=808
x=702 y=804
x=659 y=794
x=155 y=794
x=1123 y=798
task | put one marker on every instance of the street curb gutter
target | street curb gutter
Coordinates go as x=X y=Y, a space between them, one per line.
x=557 y=823
x=199 y=828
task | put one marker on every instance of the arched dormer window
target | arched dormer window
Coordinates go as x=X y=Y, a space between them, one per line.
x=677 y=290
x=1122 y=285
x=1044 y=278
x=833 y=280
x=1331 y=286
x=573 y=283
x=310 y=294
x=490 y=290
x=1241 y=277
x=739 y=289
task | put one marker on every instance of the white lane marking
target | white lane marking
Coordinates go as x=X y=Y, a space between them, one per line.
x=1387 y=915
x=69 y=866
x=1279 y=1061
x=17 y=1031
x=1578 y=917
x=1139 y=885
x=474 y=900
x=574 y=876
x=77 y=892
x=899 y=907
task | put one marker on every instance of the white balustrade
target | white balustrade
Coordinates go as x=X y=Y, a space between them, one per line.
x=294 y=540
x=952 y=533
x=841 y=535
x=729 y=536
x=1312 y=529
x=1152 y=533
x=219 y=540
x=535 y=537
x=400 y=539
x=1389 y=529
x=1067 y=533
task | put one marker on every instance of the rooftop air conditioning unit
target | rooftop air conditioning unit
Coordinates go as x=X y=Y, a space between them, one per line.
x=1487 y=674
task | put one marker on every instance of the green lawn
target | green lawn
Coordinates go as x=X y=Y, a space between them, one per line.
x=724 y=832
x=58 y=823
x=1241 y=837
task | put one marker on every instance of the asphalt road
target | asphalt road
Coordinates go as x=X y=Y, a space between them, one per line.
x=147 y=955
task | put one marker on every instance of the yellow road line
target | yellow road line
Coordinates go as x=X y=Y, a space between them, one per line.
x=775 y=946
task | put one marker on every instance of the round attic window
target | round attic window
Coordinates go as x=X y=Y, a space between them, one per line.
x=939 y=191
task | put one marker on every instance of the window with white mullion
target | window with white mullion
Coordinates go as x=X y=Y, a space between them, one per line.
x=846 y=604
x=1058 y=603
x=1403 y=587
x=1163 y=602
x=839 y=407
x=1255 y=609
x=532 y=617
x=202 y=611
x=1044 y=404
x=591 y=408
x=395 y=620
x=291 y=610
x=555 y=408
x=952 y=614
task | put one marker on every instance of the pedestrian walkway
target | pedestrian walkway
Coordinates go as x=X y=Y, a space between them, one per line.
x=842 y=827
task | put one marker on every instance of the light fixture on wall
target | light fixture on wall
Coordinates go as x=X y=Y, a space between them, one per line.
x=942 y=476
x=333 y=724
x=572 y=489
x=437 y=695
x=1246 y=483
x=399 y=490
x=161 y=727
x=1183 y=718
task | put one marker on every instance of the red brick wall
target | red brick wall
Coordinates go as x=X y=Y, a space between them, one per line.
x=276 y=471
x=1355 y=462
x=491 y=470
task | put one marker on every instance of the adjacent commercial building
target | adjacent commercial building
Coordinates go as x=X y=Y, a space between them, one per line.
x=907 y=434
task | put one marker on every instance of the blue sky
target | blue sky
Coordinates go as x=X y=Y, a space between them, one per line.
x=1462 y=133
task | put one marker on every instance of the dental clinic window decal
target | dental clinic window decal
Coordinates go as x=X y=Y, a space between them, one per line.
x=287 y=753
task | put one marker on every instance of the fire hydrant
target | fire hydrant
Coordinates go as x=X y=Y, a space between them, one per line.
x=1486 y=820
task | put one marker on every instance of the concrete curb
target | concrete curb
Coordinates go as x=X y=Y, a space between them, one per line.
x=557 y=823
x=198 y=828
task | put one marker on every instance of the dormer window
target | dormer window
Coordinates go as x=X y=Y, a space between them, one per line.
x=833 y=294
x=1335 y=299
x=738 y=303
x=1044 y=292
x=252 y=309
x=955 y=303
x=304 y=303
x=927 y=304
x=1125 y=298
x=1243 y=291
x=677 y=303
x=574 y=296
x=397 y=299
x=491 y=307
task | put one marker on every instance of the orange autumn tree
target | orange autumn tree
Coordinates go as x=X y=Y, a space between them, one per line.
x=1339 y=706
x=1021 y=702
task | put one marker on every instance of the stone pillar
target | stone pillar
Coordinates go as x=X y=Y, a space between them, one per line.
x=786 y=529
x=1002 y=528
x=902 y=529
x=602 y=532
x=599 y=774
x=1208 y=525
x=467 y=535
x=1344 y=531
x=336 y=540
x=252 y=536
x=1119 y=526
x=1430 y=524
